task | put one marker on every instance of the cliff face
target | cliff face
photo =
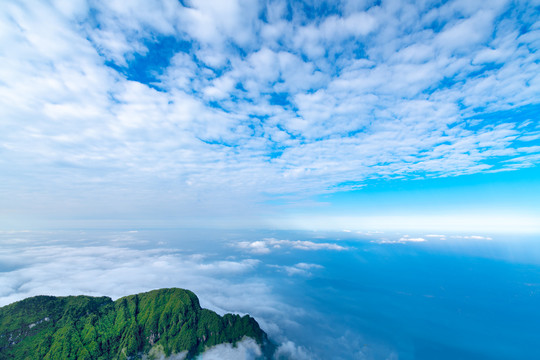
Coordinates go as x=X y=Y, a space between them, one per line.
x=169 y=321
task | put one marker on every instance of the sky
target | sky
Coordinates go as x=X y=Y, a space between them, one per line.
x=343 y=115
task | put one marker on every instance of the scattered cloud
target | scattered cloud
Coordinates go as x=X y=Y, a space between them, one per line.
x=268 y=245
x=297 y=269
x=402 y=240
x=289 y=350
x=159 y=355
x=472 y=237
x=406 y=238
x=105 y=102
x=247 y=349
x=436 y=236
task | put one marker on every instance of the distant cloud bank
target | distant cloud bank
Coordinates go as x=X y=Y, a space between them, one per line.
x=267 y=245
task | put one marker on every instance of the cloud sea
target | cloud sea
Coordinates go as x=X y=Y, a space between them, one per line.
x=372 y=296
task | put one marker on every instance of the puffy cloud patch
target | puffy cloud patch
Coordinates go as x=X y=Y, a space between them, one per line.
x=436 y=236
x=402 y=240
x=472 y=237
x=407 y=238
x=268 y=245
x=289 y=350
x=247 y=349
x=297 y=269
x=155 y=354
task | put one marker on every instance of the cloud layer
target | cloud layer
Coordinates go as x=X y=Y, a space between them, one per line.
x=104 y=102
x=43 y=264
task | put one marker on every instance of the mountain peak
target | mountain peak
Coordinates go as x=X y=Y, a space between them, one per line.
x=168 y=321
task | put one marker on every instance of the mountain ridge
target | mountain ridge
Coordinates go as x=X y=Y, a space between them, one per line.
x=168 y=321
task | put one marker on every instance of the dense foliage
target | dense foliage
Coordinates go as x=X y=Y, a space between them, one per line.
x=83 y=327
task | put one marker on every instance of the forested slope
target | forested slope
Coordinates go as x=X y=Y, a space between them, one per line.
x=167 y=321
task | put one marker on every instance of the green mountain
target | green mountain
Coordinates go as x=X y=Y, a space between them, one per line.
x=166 y=321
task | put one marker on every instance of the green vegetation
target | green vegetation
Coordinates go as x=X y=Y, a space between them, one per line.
x=166 y=321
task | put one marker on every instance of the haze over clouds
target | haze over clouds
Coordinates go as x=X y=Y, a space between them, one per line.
x=190 y=109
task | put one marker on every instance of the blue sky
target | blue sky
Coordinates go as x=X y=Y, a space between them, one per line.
x=344 y=115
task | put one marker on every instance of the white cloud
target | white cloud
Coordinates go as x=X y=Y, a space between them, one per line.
x=297 y=269
x=402 y=240
x=229 y=266
x=289 y=350
x=155 y=354
x=406 y=238
x=212 y=23
x=436 y=236
x=472 y=237
x=243 y=350
x=468 y=32
x=477 y=237
x=267 y=245
x=256 y=247
x=256 y=100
